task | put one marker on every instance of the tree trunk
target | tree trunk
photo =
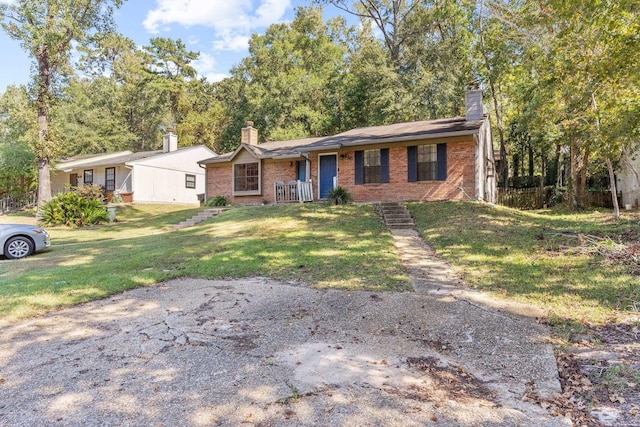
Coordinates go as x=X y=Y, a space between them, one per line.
x=614 y=190
x=530 y=153
x=578 y=175
x=44 y=181
x=573 y=175
x=503 y=173
x=42 y=102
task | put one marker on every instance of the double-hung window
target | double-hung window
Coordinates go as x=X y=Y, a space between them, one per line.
x=110 y=179
x=190 y=181
x=372 y=166
x=427 y=162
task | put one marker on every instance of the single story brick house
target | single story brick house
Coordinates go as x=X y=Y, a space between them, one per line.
x=170 y=175
x=443 y=159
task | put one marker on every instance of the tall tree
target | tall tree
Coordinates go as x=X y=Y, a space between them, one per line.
x=169 y=69
x=202 y=116
x=428 y=46
x=92 y=117
x=293 y=74
x=17 y=131
x=46 y=31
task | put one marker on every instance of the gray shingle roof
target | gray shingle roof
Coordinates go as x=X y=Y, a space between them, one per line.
x=409 y=131
x=104 y=159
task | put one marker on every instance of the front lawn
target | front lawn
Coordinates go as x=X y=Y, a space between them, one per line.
x=579 y=267
x=343 y=247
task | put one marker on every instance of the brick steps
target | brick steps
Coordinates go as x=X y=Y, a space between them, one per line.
x=196 y=219
x=395 y=215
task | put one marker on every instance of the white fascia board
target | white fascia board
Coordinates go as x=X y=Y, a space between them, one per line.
x=78 y=163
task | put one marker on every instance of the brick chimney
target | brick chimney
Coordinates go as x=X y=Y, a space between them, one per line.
x=473 y=103
x=169 y=141
x=249 y=134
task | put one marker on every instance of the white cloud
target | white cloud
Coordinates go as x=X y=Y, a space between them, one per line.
x=232 y=21
x=231 y=42
x=215 y=77
x=205 y=67
x=204 y=64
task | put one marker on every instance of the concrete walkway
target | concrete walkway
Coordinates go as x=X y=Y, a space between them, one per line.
x=497 y=338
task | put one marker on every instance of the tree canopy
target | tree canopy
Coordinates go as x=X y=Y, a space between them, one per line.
x=563 y=93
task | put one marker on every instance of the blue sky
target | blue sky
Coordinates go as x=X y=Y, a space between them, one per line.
x=218 y=29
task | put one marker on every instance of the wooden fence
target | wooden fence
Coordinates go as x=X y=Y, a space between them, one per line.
x=14 y=203
x=538 y=198
x=523 y=198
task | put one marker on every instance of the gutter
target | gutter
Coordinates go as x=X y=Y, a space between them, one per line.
x=394 y=139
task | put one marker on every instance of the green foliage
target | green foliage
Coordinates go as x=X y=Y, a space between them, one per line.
x=17 y=130
x=542 y=258
x=339 y=196
x=71 y=209
x=217 y=201
x=202 y=115
x=47 y=31
x=92 y=118
x=292 y=76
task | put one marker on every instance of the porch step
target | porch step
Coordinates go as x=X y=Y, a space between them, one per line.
x=395 y=215
x=196 y=219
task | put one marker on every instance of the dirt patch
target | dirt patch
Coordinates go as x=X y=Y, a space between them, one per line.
x=455 y=381
x=600 y=376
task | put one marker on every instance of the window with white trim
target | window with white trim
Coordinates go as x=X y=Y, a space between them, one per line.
x=190 y=181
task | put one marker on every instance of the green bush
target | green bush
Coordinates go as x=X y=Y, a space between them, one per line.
x=339 y=196
x=217 y=201
x=72 y=210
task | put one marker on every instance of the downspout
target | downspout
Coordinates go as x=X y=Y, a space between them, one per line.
x=206 y=182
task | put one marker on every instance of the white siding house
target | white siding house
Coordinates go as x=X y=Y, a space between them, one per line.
x=170 y=175
x=173 y=177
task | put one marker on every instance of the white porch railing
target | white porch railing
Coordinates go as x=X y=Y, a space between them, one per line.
x=293 y=192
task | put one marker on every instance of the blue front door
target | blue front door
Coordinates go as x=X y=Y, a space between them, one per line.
x=328 y=171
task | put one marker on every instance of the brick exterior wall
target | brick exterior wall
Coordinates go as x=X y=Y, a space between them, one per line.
x=220 y=180
x=460 y=171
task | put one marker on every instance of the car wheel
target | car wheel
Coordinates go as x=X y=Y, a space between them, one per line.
x=18 y=247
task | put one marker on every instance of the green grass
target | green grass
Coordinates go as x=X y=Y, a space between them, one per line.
x=536 y=257
x=533 y=257
x=344 y=247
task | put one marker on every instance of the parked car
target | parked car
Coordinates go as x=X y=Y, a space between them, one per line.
x=21 y=240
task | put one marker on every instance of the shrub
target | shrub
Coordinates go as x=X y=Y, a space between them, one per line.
x=339 y=196
x=217 y=201
x=91 y=192
x=72 y=210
